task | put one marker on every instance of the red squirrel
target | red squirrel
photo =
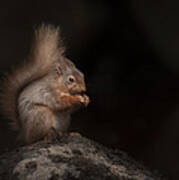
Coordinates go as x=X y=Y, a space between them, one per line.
x=39 y=95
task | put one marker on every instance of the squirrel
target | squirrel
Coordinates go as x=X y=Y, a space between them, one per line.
x=39 y=95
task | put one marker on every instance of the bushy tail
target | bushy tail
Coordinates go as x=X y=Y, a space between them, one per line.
x=45 y=52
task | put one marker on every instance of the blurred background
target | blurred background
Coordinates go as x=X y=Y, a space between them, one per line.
x=129 y=53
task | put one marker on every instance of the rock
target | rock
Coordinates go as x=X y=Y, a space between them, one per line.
x=73 y=157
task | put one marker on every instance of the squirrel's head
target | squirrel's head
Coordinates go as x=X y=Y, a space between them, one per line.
x=69 y=78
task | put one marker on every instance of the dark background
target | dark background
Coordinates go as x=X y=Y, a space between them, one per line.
x=129 y=52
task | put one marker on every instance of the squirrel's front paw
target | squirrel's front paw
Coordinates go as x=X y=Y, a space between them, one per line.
x=84 y=99
x=73 y=102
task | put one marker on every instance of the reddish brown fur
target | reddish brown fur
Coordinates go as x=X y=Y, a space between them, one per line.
x=41 y=94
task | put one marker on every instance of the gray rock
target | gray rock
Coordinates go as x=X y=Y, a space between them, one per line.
x=71 y=158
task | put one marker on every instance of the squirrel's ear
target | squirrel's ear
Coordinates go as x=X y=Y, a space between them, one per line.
x=58 y=69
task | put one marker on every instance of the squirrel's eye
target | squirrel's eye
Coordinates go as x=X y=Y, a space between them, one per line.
x=71 y=79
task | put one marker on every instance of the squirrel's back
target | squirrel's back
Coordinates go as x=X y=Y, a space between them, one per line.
x=45 y=52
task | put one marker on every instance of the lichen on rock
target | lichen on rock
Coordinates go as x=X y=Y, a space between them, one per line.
x=71 y=158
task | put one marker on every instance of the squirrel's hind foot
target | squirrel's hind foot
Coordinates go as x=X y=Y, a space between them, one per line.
x=53 y=136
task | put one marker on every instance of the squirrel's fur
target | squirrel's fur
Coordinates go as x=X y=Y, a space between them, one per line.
x=47 y=50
